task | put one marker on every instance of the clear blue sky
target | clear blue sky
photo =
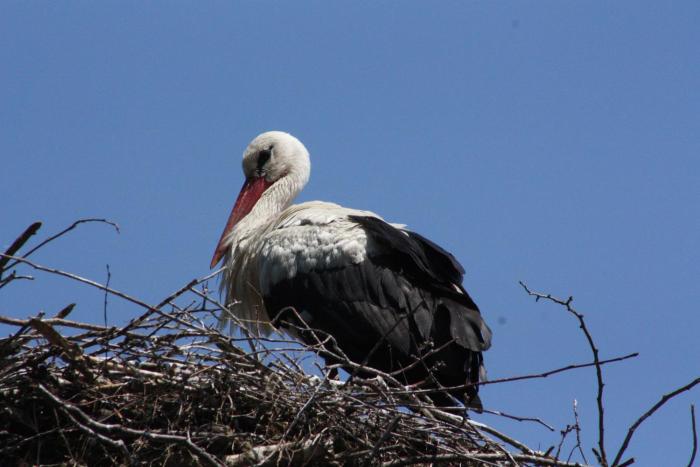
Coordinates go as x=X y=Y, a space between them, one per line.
x=552 y=142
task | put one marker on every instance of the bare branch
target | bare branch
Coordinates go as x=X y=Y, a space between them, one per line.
x=664 y=399
x=18 y=243
x=578 y=434
x=519 y=419
x=9 y=254
x=695 y=436
x=68 y=229
x=599 y=371
x=629 y=461
x=564 y=433
x=530 y=376
x=104 y=306
x=76 y=277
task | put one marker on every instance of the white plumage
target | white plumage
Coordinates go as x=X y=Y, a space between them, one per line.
x=310 y=236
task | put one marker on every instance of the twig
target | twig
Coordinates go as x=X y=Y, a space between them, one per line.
x=54 y=322
x=18 y=243
x=68 y=229
x=564 y=433
x=596 y=360
x=76 y=277
x=104 y=307
x=13 y=276
x=695 y=435
x=442 y=415
x=519 y=419
x=187 y=287
x=664 y=399
x=530 y=376
x=65 y=311
x=578 y=434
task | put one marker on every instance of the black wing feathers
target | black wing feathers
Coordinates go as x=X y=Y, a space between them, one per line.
x=404 y=301
x=418 y=255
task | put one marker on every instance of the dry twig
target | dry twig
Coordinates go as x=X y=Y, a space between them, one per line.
x=600 y=454
x=664 y=399
x=695 y=436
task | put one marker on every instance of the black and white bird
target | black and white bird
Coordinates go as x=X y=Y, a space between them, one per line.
x=390 y=298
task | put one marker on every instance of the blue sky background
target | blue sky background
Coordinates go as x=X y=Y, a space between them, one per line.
x=552 y=142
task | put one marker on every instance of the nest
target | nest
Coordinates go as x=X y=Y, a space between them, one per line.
x=170 y=388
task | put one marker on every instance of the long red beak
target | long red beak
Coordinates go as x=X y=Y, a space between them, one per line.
x=252 y=190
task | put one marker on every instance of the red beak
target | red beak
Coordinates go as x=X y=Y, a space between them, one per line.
x=252 y=190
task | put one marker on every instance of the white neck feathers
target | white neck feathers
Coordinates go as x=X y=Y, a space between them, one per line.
x=272 y=202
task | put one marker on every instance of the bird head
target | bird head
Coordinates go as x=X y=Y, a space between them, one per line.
x=269 y=158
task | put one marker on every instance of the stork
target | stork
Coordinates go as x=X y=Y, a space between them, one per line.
x=389 y=298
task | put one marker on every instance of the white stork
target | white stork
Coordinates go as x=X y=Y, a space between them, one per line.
x=390 y=298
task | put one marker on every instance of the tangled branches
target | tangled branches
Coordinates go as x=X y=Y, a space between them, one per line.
x=169 y=388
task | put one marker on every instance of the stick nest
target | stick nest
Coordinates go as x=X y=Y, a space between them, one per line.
x=170 y=388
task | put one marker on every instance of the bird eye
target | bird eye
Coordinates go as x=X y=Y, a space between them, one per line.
x=263 y=157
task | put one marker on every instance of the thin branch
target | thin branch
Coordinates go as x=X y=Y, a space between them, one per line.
x=664 y=399
x=76 y=277
x=519 y=419
x=578 y=434
x=596 y=360
x=564 y=433
x=18 y=243
x=187 y=287
x=545 y=374
x=54 y=322
x=695 y=436
x=444 y=416
x=13 y=276
x=68 y=229
x=104 y=307
x=65 y=311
